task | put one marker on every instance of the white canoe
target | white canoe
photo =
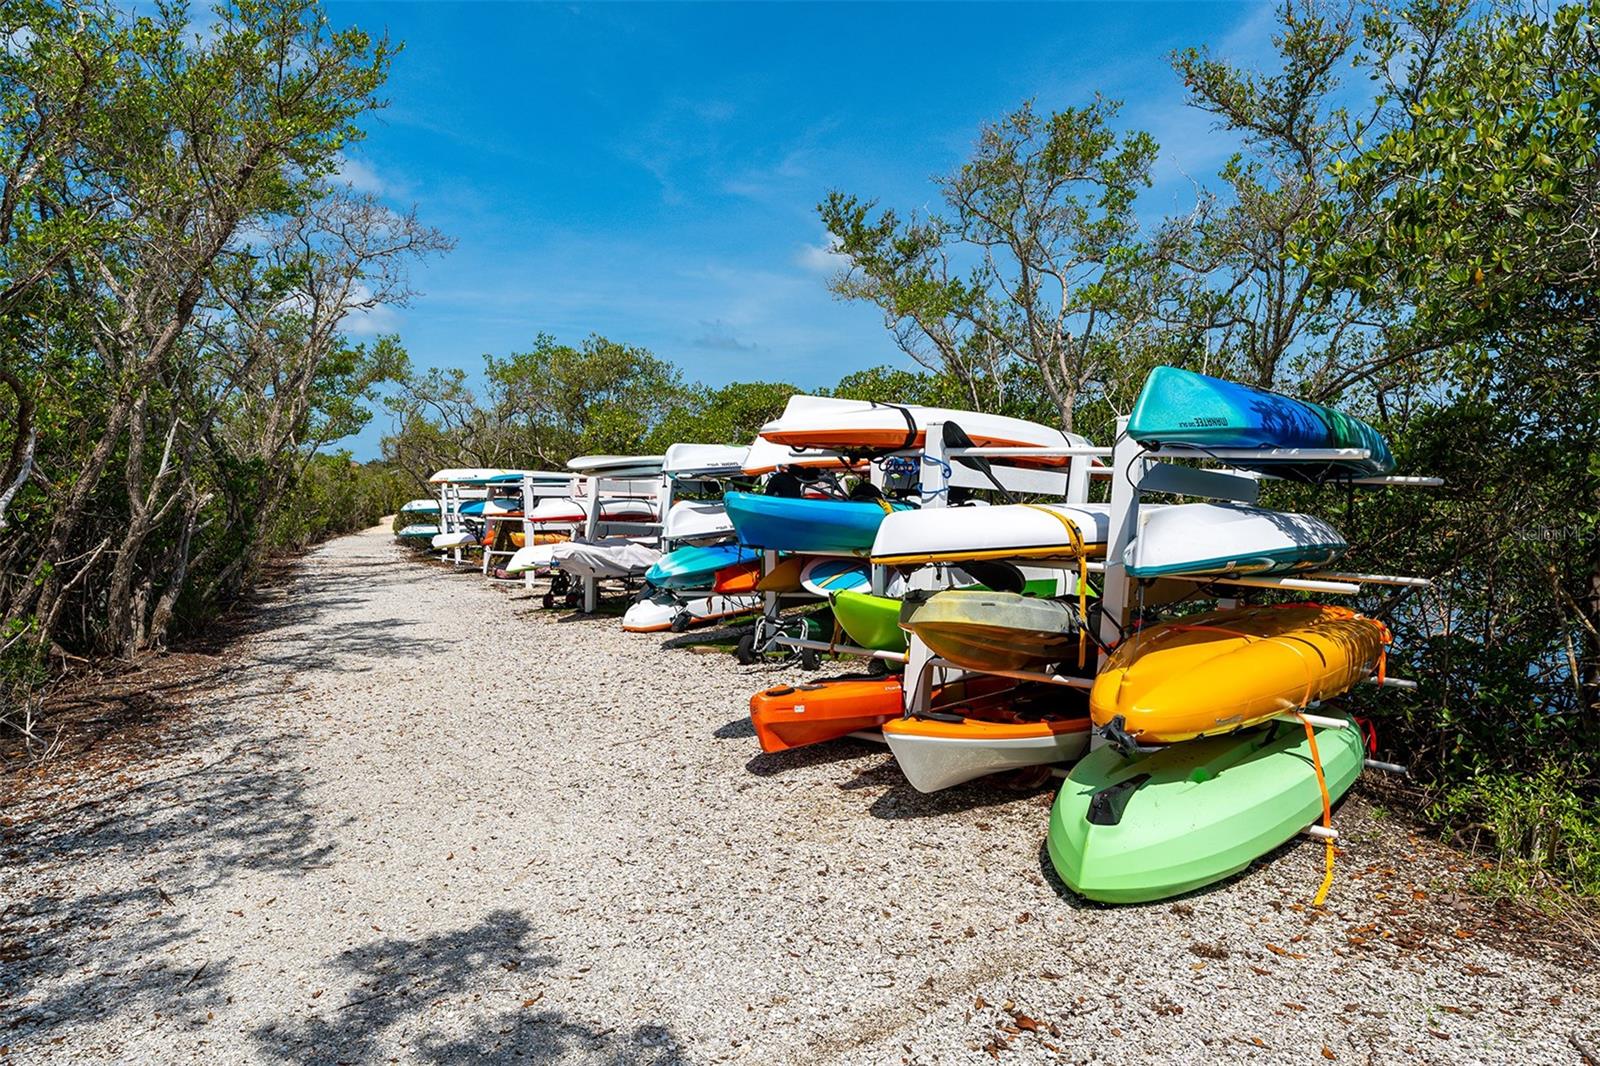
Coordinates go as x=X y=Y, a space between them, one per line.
x=1037 y=532
x=704 y=461
x=448 y=541
x=697 y=520
x=554 y=510
x=466 y=475
x=1199 y=539
x=659 y=614
x=604 y=557
x=825 y=422
x=420 y=507
x=932 y=760
x=610 y=466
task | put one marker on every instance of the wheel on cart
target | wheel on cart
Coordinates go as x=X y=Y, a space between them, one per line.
x=877 y=668
x=810 y=659
x=549 y=601
x=745 y=650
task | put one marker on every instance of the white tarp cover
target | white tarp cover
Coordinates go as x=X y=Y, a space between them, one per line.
x=606 y=557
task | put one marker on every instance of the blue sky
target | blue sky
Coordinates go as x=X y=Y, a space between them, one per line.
x=651 y=171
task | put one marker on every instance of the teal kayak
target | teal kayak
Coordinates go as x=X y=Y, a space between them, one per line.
x=1131 y=830
x=798 y=524
x=695 y=566
x=1184 y=408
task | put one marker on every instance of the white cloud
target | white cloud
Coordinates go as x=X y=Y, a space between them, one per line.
x=360 y=176
x=823 y=258
x=369 y=321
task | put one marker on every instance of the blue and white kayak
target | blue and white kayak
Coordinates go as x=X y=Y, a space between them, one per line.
x=818 y=527
x=695 y=566
x=1180 y=407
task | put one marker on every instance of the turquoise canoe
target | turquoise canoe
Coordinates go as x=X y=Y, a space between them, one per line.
x=1132 y=830
x=696 y=566
x=1181 y=407
x=817 y=527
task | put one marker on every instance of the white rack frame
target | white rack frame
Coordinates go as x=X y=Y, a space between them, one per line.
x=1135 y=470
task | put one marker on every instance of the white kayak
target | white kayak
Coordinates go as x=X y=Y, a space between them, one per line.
x=535 y=558
x=449 y=541
x=666 y=612
x=466 y=475
x=704 y=461
x=556 y=510
x=1038 y=532
x=846 y=425
x=612 y=466
x=420 y=507
x=1200 y=539
x=935 y=754
x=604 y=557
x=690 y=520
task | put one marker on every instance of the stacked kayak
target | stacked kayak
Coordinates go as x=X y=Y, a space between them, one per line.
x=1130 y=830
x=696 y=566
x=603 y=557
x=1025 y=725
x=1227 y=670
x=993 y=631
x=801 y=524
x=793 y=716
x=1202 y=539
x=663 y=610
x=1182 y=408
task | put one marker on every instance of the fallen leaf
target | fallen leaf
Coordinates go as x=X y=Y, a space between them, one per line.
x=1025 y=1022
x=1327 y=1052
x=318 y=993
x=979 y=1004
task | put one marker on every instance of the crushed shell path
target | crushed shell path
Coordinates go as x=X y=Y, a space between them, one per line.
x=415 y=819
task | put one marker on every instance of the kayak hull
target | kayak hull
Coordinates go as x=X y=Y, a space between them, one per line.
x=1198 y=539
x=993 y=630
x=1225 y=670
x=820 y=527
x=1017 y=727
x=1191 y=814
x=1038 y=533
x=696 y=567
x=870 y=621
x=660 y=615
x=794 y=716
x=1181 y=407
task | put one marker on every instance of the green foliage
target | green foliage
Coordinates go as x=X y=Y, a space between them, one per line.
x=731 y=414
x=336 y=495
x=1537 y=825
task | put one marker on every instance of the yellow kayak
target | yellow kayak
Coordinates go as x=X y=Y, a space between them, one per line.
x=1225 y=670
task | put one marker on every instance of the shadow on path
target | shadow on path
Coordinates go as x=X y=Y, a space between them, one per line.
x=401 y=983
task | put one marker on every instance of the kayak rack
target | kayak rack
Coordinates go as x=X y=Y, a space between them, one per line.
x=807 y=644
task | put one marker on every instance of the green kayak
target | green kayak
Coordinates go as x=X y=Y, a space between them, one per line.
x=1133 y=830
x=870 y=621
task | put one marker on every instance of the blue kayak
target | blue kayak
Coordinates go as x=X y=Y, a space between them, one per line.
x=819 y=527
x=694 y=566
x=472 y=508
x=1184 y=408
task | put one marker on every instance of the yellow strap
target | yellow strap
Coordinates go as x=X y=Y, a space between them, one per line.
x=888 y=508
x=1075 y=539
x=1327 y=813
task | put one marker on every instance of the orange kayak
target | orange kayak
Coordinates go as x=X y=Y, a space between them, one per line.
x=738 y=579
x=785 y=577
x=792 y=716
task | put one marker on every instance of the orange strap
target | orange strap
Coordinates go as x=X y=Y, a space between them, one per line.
x=1075 y=539
x=1327 y=813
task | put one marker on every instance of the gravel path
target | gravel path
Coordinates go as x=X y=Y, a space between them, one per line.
x=413 y=819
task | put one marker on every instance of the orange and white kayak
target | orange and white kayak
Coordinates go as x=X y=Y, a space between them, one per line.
x=1225 y=670
x=1028 y=725
x=862 y=426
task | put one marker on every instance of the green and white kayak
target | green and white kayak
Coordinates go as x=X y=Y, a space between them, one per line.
x=1131 y=830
